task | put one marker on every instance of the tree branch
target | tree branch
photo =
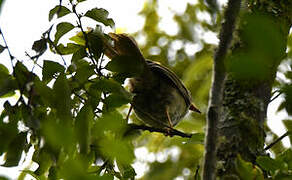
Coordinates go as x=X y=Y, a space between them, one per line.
x=6 y=46
x=277 y=140
x=209 y=170
x=169 y=131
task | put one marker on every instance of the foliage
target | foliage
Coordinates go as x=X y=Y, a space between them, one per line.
x=73 y=115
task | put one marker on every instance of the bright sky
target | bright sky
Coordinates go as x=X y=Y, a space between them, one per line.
x=23 y=22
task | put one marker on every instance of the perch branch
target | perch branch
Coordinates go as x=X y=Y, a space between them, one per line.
x=170 y=131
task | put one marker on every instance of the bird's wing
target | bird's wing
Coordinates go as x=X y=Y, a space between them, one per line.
x=172 y=77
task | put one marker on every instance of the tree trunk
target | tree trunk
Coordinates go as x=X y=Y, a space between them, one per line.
x=260 y=45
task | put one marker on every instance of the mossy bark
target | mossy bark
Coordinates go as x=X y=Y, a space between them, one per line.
x=260 y=45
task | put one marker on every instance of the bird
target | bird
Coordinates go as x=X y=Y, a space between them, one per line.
x=160 y=99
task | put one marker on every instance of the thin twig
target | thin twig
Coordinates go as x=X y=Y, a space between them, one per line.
x=280 y=92
x=6 y=46
x=57 y=50
x=277 y=140
x=196 y=177
x=79 y=23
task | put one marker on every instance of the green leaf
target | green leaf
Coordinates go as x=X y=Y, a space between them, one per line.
x=94 y=97
x=62 y=29
x=32 y=174
x=50 y=69
x=22 y=74
x=288 y=125
x=78 y=39
x=100 y=15
x=126 y=64
x=7 y=83
x=84 y=71
x=83 y=126
x=108 y=85
x=4 y=70
x=62 y=98
x=247 y=171
x=15 y=149
x=127 y=171
x=1 y=3
x=2 y=48
x=8 y=131
x=111 y=86
x=111 y=121
x=197 y=138
x=45 y=93
x=286 y=157
x=3 y=177
x=116 y=149
x=69 y=49
x=81 y=53
x=59 y=10
x=268 y=163
x=44 y=160
x=116 y=100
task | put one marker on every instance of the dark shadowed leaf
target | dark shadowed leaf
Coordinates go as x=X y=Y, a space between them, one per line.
x=40 y=46
x=62 y=29
x=81 y=53
x=45 y=93
x=15 y=149
x=95 y=45
x=119 y=94
x=7 y=82
x=83 y=126
x=62 y=98
x=287 y=103
x=2 y=48
x=8 y=132
x=126 y=64
x=1 y=3
x=3 y=177
x=108 y=85
x=100 y=15
x=83 y=72
x=22 y=74
x=50 y=69
x=60 y=11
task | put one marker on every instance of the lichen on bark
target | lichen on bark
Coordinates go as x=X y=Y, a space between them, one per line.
x=261 y=40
